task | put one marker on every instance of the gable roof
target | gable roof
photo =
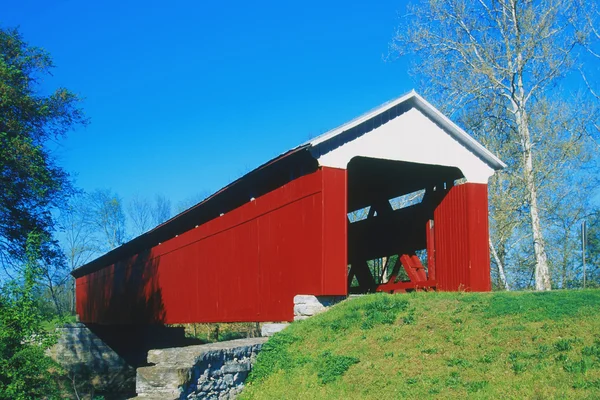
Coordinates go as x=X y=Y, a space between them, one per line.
x=413 y=100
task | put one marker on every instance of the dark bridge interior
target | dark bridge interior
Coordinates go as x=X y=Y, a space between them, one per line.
x=390 y=223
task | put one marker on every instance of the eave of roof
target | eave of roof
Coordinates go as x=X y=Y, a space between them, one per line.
x=170 y=228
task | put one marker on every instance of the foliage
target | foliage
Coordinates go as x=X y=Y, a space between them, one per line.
x=31 y=182
x=509 y=72
x=145 y=214
x=218 y=332
x=25 y=371
x=109 y=218
x=457 y=345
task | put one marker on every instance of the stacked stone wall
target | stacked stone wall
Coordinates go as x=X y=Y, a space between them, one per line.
x=210 y=371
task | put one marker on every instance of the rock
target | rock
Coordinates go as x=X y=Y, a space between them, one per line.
x=271 y=329
x=210 y=371
x=309 y=309
x=161 y=378
x=235 y=367
x=307 y=305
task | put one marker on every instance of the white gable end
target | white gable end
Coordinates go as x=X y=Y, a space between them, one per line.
x=411 y=137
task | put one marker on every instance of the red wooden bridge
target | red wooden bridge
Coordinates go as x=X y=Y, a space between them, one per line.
x=291 y=227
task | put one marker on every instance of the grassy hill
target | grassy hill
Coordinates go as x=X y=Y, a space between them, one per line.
x=438 y=345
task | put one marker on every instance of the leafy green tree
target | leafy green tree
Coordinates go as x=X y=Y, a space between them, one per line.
x=25 y=371
x=31 y=187
x=31 y=183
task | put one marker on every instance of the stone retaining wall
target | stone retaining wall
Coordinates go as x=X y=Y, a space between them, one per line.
x=90 y=359
x=210 y=371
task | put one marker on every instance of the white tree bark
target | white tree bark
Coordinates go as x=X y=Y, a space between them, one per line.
x=542 y=273
x=499 y=265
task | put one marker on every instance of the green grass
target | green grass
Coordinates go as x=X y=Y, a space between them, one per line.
x=438 y=345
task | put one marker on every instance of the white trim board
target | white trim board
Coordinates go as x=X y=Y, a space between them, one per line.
x=406 y=129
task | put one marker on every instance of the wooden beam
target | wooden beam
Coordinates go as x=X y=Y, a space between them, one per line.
x=397 y=232
x=413 y=268
x=403 y=286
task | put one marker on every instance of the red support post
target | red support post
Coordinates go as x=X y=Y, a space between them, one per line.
x=430 y=250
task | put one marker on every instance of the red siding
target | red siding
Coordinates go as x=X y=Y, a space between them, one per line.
x=335 y=230
x=462 y=257
x=246 y=265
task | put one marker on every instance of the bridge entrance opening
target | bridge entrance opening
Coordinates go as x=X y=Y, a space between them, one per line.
x=391 y=226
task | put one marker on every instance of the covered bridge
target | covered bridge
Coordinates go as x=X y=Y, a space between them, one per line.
x=290 y=227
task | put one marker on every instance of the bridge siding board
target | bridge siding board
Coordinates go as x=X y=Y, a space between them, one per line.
x=462 y=258
x=246 y=265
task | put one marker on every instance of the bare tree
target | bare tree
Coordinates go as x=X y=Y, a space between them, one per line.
x=161 y=211
x=504 y=57
x=79 y=240
x=141 y=215
x=145 y=214
x=108 y=217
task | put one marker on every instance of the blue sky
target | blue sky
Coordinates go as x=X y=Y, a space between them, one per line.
x=185 y=97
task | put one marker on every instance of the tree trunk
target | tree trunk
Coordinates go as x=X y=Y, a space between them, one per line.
x=499 y=265
x=542 y=274
x=565 y=260
x=384 y=270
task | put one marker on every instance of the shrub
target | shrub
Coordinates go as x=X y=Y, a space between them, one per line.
x=25 y=371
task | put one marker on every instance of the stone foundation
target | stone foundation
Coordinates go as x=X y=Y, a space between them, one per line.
x=209 y=371
x=90 y=359
x=308 y=305
x=269 y=329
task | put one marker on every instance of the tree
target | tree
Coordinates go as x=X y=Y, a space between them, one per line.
x=32 y=184
x=145 y=215
x=161 y=211
x=141 y=215
x=495 y=66
x=80 y=241
x=108 y=218
x=25 y=371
